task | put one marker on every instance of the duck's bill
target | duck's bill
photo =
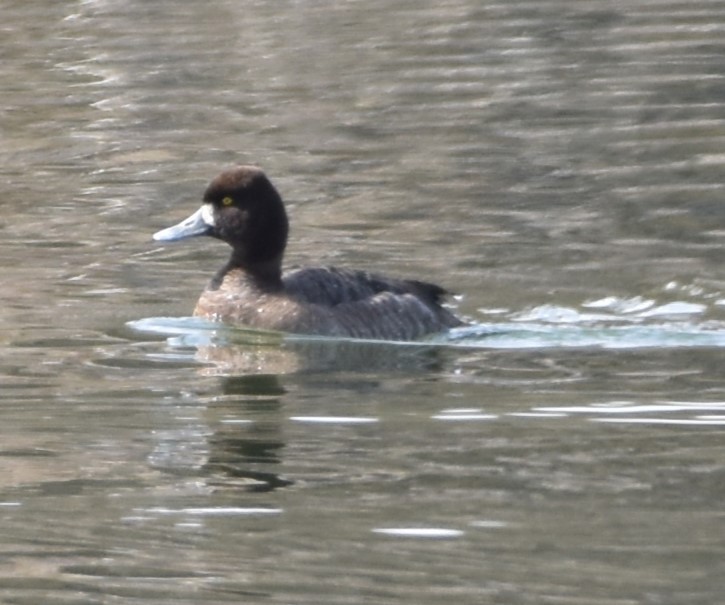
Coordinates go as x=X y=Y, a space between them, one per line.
x=199 y=223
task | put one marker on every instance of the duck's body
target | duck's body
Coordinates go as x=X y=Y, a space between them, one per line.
x=242 y=208
x=330 y=302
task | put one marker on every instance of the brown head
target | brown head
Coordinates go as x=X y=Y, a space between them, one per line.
x=242 y=208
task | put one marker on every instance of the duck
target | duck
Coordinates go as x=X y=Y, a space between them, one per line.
x=242 y=208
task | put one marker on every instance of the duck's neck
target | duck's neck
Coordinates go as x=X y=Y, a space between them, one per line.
x=265 y=275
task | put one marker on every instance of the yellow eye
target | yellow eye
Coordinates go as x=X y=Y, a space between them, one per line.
x=227 y=201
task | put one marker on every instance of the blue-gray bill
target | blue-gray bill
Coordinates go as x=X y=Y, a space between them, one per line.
x=199 y=223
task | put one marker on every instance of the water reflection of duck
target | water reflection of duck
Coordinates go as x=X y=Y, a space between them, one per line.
x=242 y=208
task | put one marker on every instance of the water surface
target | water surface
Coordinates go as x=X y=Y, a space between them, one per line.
x=558 y=164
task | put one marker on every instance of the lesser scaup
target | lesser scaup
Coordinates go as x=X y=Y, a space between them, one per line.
x=242 y=208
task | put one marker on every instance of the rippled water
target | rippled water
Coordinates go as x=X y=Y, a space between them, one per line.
x=558 y=164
